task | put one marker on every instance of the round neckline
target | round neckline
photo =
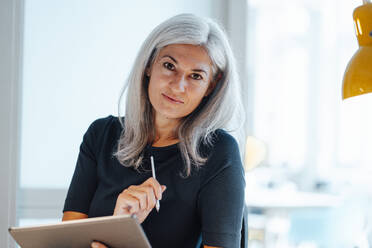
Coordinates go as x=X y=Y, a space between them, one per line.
x=164 y=147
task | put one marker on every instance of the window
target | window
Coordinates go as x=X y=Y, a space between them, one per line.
x=316 y=143
x=298 y=52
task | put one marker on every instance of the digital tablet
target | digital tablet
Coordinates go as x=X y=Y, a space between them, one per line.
x=115 y=231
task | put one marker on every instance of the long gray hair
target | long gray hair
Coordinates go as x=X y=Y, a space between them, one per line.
x=214 y=112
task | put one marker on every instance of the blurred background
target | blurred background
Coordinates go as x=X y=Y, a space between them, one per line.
x=308 y=155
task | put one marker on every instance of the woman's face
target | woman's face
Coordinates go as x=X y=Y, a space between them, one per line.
x=180 y=77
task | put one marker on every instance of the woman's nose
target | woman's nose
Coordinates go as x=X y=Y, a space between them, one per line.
x=179 y=83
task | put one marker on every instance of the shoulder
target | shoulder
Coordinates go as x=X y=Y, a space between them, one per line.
x=101 y=125
x=223 y=145
x=223 y=149
x=103 y=133
x=223 y=140
x=105 y=122
x=102 y=128
x=223 y=159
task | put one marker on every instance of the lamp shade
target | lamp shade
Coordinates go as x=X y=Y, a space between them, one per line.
x=358 y=75
x=255 y=153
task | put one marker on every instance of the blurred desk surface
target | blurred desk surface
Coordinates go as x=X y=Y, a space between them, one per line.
x=294 y=217
x=287 y=199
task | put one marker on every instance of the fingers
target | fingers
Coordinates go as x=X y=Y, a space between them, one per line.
x=156 y=187
x=126 y=204
x=131 y=203
x=140 y=194
x=150 y=196
x=98 y=245
x=139 y=197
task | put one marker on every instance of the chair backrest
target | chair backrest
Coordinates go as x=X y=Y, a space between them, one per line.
x=244 y=232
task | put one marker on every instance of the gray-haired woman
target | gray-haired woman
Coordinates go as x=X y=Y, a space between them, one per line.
x=180 y=95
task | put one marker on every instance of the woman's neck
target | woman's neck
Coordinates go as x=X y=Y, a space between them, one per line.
x=165 y=129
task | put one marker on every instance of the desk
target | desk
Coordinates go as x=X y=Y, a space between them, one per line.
x=286 y=199
x=292 y=216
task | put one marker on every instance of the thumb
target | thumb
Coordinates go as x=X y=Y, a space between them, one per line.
x=163 y=188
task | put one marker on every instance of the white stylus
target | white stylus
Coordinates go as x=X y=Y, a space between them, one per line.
x=157 y=206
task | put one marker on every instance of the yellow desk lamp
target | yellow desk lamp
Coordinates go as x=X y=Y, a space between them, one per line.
x=358 y=74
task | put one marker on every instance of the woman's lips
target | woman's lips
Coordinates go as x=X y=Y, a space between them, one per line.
x=174 y=100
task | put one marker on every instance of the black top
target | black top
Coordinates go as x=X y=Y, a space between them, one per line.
x=208 y=205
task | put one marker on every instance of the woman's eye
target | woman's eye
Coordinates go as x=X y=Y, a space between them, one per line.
x=169 y=66
x=196 y=76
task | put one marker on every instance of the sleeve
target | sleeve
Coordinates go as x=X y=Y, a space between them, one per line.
x=84 y=181
x=221 y=198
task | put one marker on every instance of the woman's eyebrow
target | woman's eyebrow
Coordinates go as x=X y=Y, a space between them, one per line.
x=200 y=70
x=175 y=61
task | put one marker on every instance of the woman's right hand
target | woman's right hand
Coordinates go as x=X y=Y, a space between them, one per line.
x=139 y=199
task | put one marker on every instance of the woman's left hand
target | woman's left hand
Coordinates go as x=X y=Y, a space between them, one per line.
x=96 y=244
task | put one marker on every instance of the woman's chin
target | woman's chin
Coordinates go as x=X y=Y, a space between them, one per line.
x=170 y=115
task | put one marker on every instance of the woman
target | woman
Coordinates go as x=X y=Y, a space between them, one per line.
x=181 y=93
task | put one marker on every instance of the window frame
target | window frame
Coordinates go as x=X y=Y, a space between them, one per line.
x=11 y=26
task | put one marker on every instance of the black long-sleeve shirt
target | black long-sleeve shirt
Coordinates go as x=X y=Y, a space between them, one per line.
x=205 y=207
